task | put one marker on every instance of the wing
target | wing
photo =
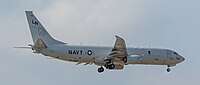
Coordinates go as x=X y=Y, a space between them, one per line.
x=119 y=51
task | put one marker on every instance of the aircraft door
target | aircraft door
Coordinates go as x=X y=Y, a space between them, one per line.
x=168 y=57
x=168 y=54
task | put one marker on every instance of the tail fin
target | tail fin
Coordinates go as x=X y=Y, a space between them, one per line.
x=41 y=38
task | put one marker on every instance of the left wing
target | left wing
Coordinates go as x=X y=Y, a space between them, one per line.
x=119 y=51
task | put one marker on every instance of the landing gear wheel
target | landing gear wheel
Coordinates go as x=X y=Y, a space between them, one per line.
x=107 y=66
x=168 y=69
x=125 y=59
x=111 y=66
x=101 y=69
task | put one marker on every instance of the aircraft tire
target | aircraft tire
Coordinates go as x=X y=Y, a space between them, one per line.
x=111 y=66
x=101 y=69
x=168 y=69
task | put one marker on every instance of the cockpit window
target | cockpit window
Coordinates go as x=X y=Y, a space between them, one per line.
x=177 y=58
x=176 y=53
x=149 y=52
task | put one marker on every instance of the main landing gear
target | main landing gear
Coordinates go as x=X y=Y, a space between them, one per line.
x=100 y=69
x=108 y=66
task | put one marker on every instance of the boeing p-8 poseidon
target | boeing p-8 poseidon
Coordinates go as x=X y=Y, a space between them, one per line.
x=112 y=58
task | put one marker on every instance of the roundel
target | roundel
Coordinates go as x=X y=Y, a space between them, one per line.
x=89 y=52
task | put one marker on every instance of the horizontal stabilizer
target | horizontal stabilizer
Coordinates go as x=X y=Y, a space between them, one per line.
x=23 y=47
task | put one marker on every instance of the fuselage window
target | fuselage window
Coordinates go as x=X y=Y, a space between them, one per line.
x=175 y=53
x=149 y=52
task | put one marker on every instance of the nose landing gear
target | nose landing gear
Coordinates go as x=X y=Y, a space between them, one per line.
x=168 y=69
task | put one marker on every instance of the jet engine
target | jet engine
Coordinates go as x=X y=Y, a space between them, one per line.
x=118 y=67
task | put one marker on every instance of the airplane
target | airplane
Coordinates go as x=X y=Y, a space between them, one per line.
x=111 y=58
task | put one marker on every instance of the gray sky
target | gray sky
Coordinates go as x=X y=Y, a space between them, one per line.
x=173 y=24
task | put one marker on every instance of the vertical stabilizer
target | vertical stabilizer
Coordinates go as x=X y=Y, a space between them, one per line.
x=38 y=32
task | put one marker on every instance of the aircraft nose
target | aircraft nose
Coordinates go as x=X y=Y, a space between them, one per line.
x=182 y=58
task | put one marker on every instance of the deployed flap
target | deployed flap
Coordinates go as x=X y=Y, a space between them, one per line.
x=119 y=50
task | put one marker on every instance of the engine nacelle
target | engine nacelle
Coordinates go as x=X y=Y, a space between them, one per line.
x=99 y=61
x=118 y=67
